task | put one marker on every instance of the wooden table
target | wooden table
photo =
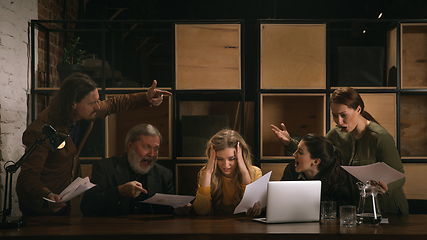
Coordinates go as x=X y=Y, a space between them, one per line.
x=198 y=227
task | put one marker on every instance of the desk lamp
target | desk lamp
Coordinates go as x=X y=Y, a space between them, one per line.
x=57 y=141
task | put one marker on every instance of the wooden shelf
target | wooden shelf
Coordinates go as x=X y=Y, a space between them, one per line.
x=414 y=55
x=301 y=113
x=293 y=56
x=415 y=176
x=208 y=56
x=413 y=125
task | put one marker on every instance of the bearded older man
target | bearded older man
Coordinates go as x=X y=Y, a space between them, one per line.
x=123 y=182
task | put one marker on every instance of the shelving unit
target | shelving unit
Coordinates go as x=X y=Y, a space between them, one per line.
x=413 y=136
x=292 y=86
x=345 y=53
x=209 y=92
x=300 y=63
x=200 y=62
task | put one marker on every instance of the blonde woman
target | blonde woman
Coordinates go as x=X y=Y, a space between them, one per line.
x=223 y=179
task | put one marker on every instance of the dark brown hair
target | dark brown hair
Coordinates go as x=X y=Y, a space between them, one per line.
x=351 y=98
x=330 y=172
x=72 y=90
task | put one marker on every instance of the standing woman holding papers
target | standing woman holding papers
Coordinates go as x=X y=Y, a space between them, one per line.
x=223 y=179
x=362 y=141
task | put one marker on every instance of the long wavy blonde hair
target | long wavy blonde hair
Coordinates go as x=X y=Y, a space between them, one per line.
x=223 y=139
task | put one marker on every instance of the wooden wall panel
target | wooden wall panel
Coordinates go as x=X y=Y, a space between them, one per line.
x=208 y=56
x=413 y=125
x=302 y=114
x=414 y=55
x=293 y=56
x=416 y=178
x=276 y=168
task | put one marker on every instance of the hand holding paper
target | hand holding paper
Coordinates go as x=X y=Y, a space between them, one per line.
x=379 y=171
x=254 y=192
x=77 y=187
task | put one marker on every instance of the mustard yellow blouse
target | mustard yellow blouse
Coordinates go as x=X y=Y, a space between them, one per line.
x=203 y=206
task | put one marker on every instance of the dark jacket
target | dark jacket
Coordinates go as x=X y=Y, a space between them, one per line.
x=108 y=174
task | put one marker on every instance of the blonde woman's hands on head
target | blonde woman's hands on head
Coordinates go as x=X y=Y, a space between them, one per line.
x=131 y=189
x=239 y=156
x=282 y=134
x=155 y=96
x=246 y=177
x=205 y=180
x=255 y=210
x=55 y=207
x=211 y=160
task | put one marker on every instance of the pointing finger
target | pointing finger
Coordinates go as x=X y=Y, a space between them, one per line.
x=164 y=92
x=154 y=85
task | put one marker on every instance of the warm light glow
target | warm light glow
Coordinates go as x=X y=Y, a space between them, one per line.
x=364 y=31
x=62 y=145
x=379 y=16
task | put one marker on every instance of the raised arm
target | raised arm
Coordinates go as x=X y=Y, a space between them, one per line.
x=246 y=177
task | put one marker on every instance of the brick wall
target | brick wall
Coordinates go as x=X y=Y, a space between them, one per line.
x=14 y=79
x=15 y=58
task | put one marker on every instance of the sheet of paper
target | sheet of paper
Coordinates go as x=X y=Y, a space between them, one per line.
x=378 y=171
x=77 y=187
x=170 y=200
x=254 y=192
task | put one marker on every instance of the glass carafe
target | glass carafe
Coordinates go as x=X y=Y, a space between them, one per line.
x=368 y=211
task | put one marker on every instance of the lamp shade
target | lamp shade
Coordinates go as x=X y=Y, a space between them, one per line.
x=55 y=138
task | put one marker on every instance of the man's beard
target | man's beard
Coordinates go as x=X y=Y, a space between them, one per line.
x=89 y=120
x=135 y=162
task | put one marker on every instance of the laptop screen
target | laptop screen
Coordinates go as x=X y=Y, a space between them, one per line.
x=293 y=201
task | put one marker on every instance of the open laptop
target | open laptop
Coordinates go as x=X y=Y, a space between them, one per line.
x=292 y=201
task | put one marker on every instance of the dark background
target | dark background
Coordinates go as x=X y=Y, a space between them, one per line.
x=143 y=68
x=250 y=10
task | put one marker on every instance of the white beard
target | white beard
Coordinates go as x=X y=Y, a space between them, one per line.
x=135 y=161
